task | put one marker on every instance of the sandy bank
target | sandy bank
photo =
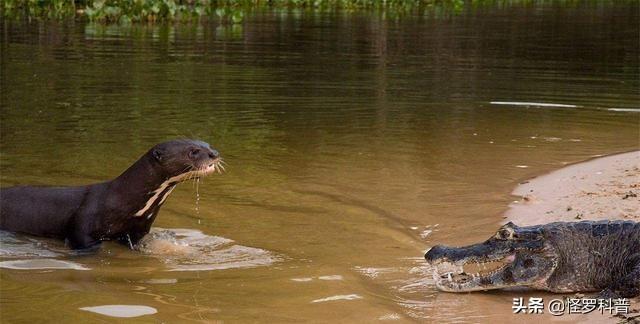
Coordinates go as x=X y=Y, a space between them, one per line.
x=601 y=188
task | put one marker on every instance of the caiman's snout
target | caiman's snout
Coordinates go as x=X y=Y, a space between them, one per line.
x=435 y=253
x=441 y=253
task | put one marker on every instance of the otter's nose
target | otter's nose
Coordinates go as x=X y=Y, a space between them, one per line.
x=214 y=154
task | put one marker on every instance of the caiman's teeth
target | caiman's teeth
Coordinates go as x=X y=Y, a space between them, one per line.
x=449 y=276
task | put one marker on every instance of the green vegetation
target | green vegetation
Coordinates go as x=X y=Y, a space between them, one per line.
x=229 y=11
x=121 y=11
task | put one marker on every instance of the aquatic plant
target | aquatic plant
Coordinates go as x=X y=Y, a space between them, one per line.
x=227 y=11
x=121 y=11
x=55 y=9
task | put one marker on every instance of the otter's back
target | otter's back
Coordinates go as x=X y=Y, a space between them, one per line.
x=41 y=211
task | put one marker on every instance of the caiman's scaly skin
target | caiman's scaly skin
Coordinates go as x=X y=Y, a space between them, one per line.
x=601 y=256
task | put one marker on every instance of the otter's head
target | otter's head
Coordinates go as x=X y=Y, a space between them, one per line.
x=185 y=158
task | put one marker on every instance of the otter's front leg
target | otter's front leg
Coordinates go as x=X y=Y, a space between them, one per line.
x=79 y=233
x=137 y=232
x=130 y=240
x=81 y=241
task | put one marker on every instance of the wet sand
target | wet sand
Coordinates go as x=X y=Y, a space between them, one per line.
x=601 y=188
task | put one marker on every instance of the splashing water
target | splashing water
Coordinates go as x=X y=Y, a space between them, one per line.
x=192 y=250
x=178 y=249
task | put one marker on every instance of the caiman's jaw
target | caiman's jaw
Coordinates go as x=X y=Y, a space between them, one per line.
x=471 y=274
x=510 y=258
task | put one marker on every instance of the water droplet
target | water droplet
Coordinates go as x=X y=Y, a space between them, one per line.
x=198 y=195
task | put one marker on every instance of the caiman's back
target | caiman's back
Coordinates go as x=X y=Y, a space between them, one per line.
x=593 y=253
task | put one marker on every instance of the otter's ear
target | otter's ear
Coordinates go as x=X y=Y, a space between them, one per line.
x=157 y=154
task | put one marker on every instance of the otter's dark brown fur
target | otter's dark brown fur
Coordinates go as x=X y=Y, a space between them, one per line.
x=122 y=209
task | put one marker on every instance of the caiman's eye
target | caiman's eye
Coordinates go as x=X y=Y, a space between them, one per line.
x=193 y=153
x=504 y=234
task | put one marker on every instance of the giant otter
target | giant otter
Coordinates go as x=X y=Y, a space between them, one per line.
x=122 y=209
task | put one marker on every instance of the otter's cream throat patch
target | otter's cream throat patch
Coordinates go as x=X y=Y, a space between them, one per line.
x=171 y=182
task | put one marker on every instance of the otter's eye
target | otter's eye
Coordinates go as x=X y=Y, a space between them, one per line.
x=193 y=153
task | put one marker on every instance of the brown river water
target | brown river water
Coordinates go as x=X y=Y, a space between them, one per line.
x=354 y=143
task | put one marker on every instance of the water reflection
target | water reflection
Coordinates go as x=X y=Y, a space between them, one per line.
x=41 y=264
x=121 y=310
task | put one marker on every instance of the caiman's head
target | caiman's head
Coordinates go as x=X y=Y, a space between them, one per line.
x=514 y=256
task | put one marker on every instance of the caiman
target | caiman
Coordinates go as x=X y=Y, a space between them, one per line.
x=561 y=257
